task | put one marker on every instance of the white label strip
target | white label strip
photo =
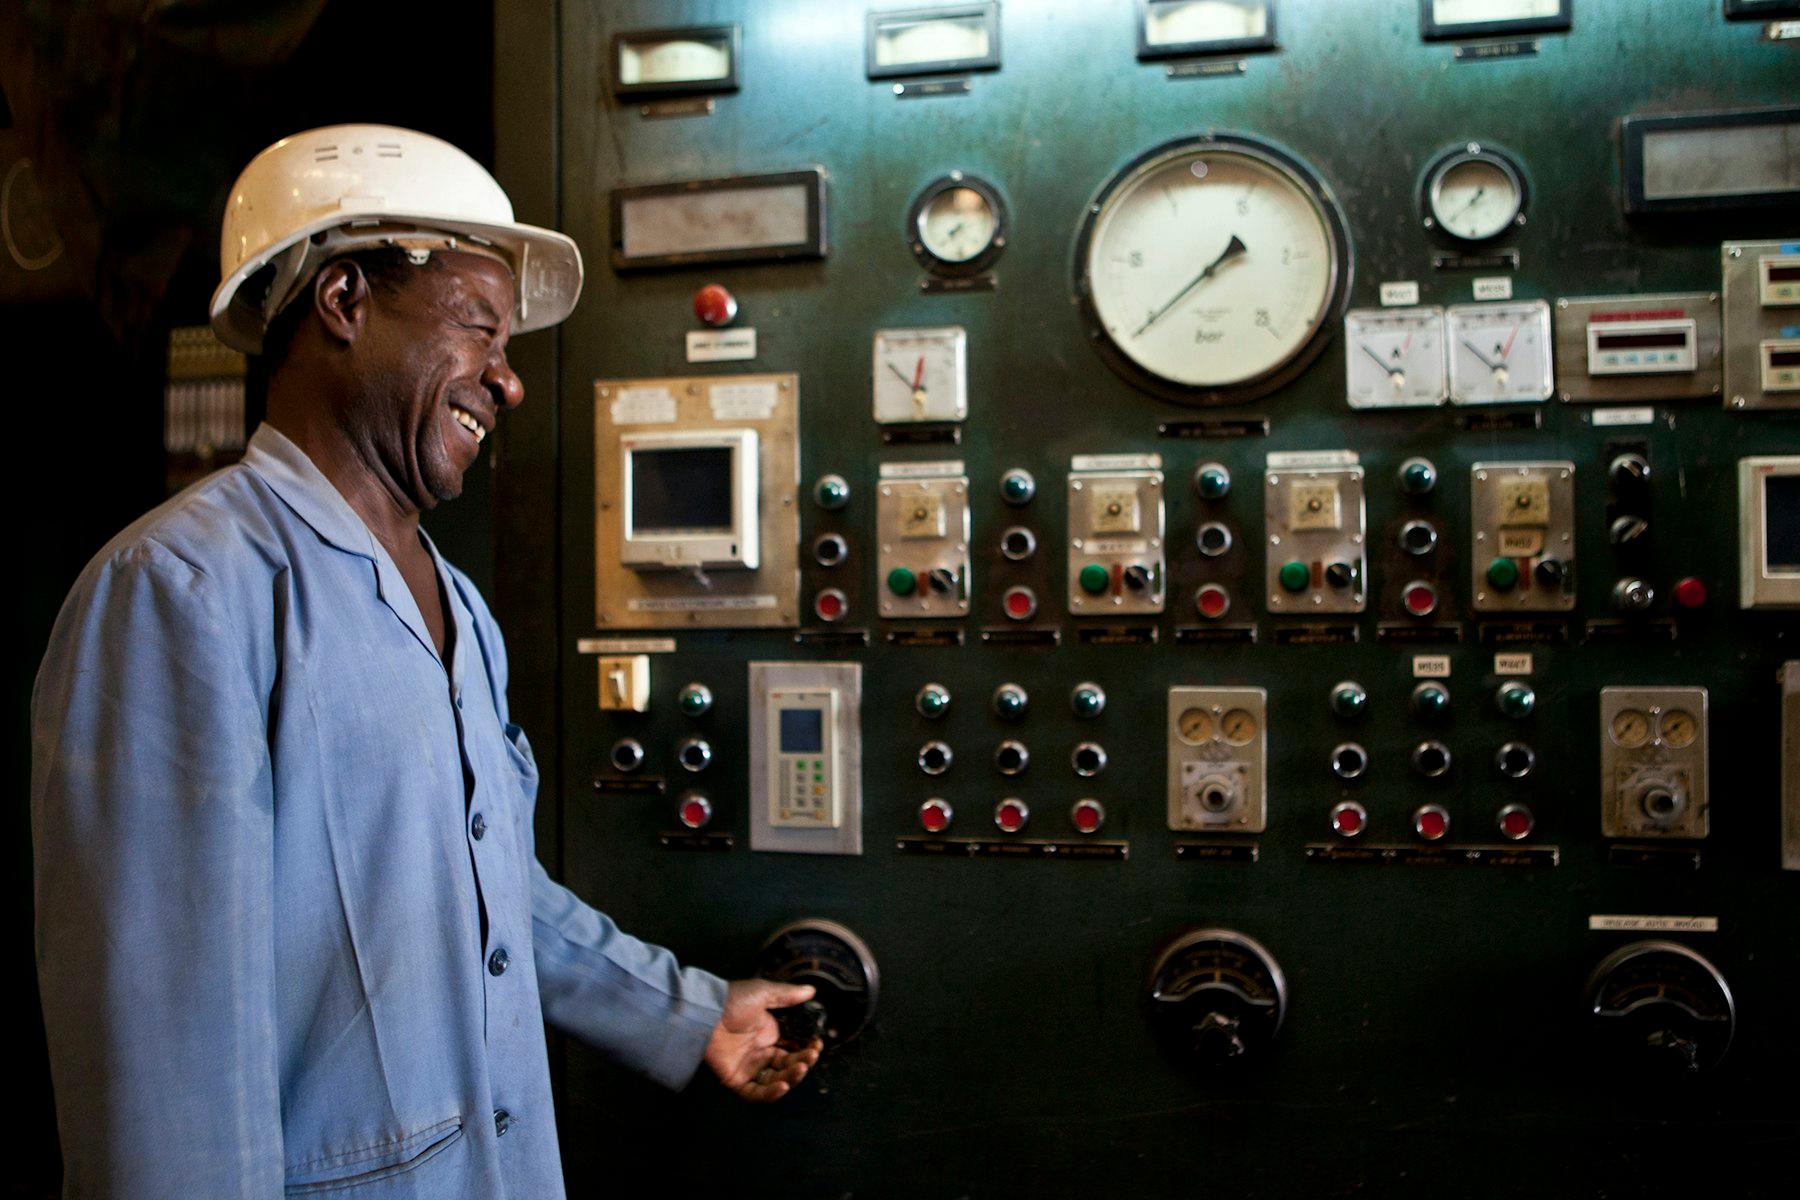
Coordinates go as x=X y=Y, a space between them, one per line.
x=921 y=470
x=721 y=345
x=700 y=604
x=1494 y=287
x=743 y=401
x=625 y=646
x=1399 y=293
x=643 y=406
x=1431 y=666
x=1116 y=462
x=1512 y=664
x=1302 y=460
x=1782 y=31
x=1631 y=924
x=1624 y=416
x=1115 y=546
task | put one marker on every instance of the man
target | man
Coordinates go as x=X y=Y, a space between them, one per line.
x=291 y=929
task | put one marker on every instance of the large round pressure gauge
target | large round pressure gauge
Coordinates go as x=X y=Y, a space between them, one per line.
x=1211 y=268
x=1474 y=193
x=957 y=225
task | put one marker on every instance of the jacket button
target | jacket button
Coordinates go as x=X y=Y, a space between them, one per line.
x=478 y=827
x=498 y=961
x=502 y=1122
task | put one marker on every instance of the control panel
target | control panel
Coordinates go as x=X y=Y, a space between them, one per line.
x=1116 y=554
x=1218 y=747
x=1653 y=763
x=922 y=523
x=1523 y=536
x=1313 y=514
x=1762 y=324
x=806 y=757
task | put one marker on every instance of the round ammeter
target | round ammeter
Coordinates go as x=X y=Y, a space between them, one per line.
x=1663 y=1006
x=957 y=225
x=838 y=966
x=1217 y=998
x=1474 y=193
x=1210 y=268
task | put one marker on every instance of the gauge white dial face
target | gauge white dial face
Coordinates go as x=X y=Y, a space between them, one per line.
x=958 y=224
x=1179 y=22
x=920 y=375
x=673 y=61
x=918 y=41
x=1474 y=198
x=1499 y=353
x=1394 y=357
x=1480 y=12
x=1210 y=267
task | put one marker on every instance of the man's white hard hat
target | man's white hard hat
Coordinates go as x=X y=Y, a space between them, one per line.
x=324 y=193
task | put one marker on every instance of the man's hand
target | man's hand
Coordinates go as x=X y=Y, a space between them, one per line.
x=743 y=1050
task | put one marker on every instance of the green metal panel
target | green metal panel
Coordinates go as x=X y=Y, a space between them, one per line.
x=1435 y=1042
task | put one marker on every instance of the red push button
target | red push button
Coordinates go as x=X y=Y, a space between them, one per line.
x=1420 y=598
x=1516 y=822
x=695 y=811
x=1087 y=816
x=715 y=306
x=1020 y=603
x=1349 y=819
x=1431 y=822
x=1212 y=601
x=830 y=605
x=1010 y=815
x=1690 y=593
x=934 y=815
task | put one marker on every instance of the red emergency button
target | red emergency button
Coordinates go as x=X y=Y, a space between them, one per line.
x=715 y=306
x=1212 y=601
x=695 y=810
x=1420 y=598
x=1431 y=822
x=1011 y=814
x=1516 y=822
x=1690 y=593
x=934 y=815
x=830 y=605
x=1087 y=816
x=1020 y=603
x=1349 y=819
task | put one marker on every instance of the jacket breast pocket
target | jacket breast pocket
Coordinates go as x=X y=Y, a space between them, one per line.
x=524 y=763
x=333 y=1173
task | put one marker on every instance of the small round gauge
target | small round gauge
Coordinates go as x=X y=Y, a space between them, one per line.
x=957 y=225
x=1678 y=728
x=1195 y=725
x=1474 y=194
x=1238 y=726
x=1209 y=268
x=1631 y=728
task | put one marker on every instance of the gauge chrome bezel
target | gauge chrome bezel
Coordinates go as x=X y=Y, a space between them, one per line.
x=953 y=268
x=1431 y=185
x=1337 y=290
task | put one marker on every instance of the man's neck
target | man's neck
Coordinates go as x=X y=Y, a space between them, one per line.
x=361 y=481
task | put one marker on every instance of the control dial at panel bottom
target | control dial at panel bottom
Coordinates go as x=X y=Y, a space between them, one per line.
x=1217 y=998
x=838 y=966
x=1663 y=1007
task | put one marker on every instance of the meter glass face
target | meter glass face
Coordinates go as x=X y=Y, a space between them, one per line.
x=1195 y=726
x=920 y=375
x=674 y=61
x=1211 y=267
x=1499 y=353
x=1475 y=197
x=1678 y=728
x=923 y=41
x=1489 y=12
x=957 y=225
x=1238 y=726
x=1394 y=357
x=1631 y=728
x=1196 y=22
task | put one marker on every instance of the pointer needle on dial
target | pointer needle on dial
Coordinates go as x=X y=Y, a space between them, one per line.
x=1470 y=347
x=1379 y=361
x=1232 y=249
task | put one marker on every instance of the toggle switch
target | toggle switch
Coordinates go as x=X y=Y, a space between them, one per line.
x=625 y=683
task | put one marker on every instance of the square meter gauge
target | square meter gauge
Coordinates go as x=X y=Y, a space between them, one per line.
x=1394 y=357
x=920 y=375
x=1499 y=353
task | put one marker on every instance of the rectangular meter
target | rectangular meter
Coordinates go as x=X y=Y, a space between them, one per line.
x=1523 y=536
x=1762 y=324
x=1779 y=276
x=1769 y=531
x=1645 y=349
x=1790 y=766
x=1659 y=347
x=690 y=499
x=806 y=757
x=1117 y=560
x=1780 y=365
x=1317 y=560
x=922 y=527
x=1653 y=762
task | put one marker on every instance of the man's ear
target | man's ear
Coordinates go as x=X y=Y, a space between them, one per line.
x=340 y=295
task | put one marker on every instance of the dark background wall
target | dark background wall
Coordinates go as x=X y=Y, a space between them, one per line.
x=85 y=370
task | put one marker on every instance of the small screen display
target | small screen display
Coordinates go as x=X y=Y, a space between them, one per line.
x=1784 y=274
x=802 y=731
x=681 y=490
x=1784 y=358
x=1781 y=521
x=1640 y=341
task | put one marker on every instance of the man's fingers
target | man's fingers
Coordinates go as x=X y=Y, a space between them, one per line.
x=786 y=995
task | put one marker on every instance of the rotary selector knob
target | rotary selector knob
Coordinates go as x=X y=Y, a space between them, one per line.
x=1661 y=1007
x=1628 y=472
x=1632 y=596
x=1217 y=999
x=1628 y=530
x=838 y=966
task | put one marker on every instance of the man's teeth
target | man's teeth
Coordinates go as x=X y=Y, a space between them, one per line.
x=469 y=423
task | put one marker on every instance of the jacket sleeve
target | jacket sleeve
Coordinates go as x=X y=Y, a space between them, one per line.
x=151 y=804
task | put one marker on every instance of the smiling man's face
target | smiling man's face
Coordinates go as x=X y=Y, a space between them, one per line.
x=434 y=376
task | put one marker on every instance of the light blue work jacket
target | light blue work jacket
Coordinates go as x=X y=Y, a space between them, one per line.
x=291 y=929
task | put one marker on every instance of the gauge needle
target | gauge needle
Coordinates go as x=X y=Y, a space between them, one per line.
x=1380 y=362
x=1470 y=347
x=1232 y=249
x=1473 y=201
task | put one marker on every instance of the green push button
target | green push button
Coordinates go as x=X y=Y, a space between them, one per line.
x=1502 y=574
x=1094 y=578
x=1010 y=701
x=1017 y=486
x=1212 y=483
x=932 y=701
x=1087 y=700
x=1294 y=576
x=1516 y=699
x=1417 y=477
x=695 y=699
x=1349 y=699
x=902 y=582
x=831 y=492
x=1431 y=700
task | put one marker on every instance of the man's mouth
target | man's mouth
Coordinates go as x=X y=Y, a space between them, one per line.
x=468 y=421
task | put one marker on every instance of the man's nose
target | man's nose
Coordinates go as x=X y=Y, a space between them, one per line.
x=503 y=382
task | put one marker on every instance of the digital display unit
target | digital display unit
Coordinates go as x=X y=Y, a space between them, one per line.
x=1769 y=531
x=691 y=500
x=802 y=730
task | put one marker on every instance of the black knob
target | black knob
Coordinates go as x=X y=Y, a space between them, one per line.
x=800 y=1024
x=1137 y=577
x=1628 y=471
x=942 y=580
x=1628 y=529
x=1340 y=575
x=1549 y=573
x=1218 y=1037
x=1633 y=595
